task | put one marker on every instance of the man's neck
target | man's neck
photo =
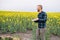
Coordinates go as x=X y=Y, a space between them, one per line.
x=40 y=11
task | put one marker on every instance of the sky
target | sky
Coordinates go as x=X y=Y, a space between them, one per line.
x=30 y=5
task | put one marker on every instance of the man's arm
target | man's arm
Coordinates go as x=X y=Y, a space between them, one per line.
x=35 y=19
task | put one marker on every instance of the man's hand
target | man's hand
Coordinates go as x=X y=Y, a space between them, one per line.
x=35 y=19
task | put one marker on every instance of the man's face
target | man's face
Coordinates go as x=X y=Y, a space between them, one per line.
x=38 y=8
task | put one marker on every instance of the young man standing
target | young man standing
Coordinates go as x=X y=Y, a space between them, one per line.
x=42 y=17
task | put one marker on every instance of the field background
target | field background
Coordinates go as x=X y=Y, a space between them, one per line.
x=11 y=22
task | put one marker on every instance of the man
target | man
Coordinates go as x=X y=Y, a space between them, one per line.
x=42 y=17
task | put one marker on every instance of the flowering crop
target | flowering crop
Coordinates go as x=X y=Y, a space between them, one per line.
x=19 y=21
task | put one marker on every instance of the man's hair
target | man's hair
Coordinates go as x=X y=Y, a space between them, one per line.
x=40 y=6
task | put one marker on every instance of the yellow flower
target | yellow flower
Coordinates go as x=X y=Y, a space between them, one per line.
x=10 y=19
x=50 y=20
x=56 y=16
x=28 y=19
x=7 y=19
x=47 y=21
x=3 y=20
x=58 y=22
